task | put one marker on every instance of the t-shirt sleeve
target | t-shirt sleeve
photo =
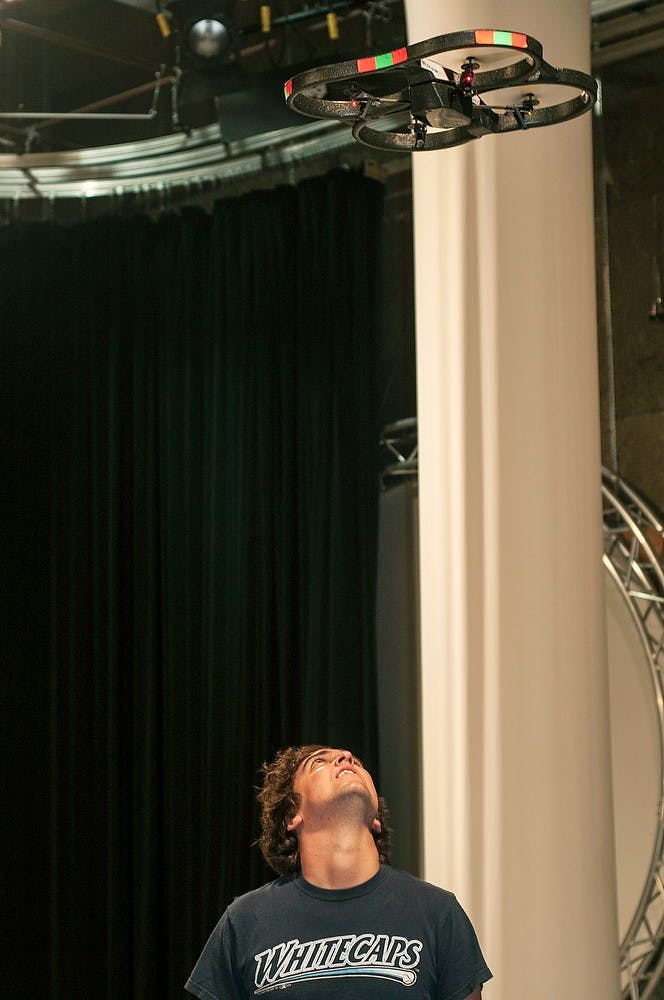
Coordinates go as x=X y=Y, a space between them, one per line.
x=215 y=975
x=462 y=965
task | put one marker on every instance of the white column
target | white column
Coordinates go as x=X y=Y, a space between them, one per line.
x=516 y=755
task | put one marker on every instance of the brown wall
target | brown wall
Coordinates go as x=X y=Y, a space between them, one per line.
x=629 y=175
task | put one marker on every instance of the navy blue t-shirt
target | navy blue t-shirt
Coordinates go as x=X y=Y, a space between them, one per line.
x=392 y=937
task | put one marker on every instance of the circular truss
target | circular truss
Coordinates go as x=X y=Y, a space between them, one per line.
x=634 y=561
x=633 y=558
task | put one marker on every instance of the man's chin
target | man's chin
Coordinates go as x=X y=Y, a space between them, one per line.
x=356 y=798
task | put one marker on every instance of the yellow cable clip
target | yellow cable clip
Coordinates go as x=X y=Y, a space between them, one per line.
x=164 y=26
x=332 y=26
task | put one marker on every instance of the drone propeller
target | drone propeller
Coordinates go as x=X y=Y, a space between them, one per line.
x=499 y=91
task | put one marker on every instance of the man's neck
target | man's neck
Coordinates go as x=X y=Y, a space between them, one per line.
x=338 y=859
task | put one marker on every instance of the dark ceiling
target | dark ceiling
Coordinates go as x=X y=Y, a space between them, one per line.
x=103 y=57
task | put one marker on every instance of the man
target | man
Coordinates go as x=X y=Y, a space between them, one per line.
x=338 y=922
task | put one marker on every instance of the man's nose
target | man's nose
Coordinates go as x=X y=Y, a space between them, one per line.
x=344 y=756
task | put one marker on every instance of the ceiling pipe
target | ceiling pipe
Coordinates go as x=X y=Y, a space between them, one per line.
x=86 y=111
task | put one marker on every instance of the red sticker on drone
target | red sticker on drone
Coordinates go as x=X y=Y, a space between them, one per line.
x=399 y=55
x=512 y=39
x=366 y=65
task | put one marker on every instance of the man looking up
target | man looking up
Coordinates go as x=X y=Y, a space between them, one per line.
x=338 y=923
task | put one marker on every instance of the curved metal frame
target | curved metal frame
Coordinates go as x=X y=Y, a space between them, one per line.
x=154 y=165
x=630 y=529
x=633 y=534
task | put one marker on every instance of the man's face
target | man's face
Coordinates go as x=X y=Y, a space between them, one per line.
x=330 y=778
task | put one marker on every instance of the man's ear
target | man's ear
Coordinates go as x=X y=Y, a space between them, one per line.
x=375 y=825
x=294 y=823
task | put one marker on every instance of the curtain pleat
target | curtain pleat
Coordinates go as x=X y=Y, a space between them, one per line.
x=190 y=452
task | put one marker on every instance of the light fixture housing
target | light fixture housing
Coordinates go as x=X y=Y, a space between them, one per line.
x=208 y=37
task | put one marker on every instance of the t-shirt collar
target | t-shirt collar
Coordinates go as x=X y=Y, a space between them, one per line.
x=338 y=895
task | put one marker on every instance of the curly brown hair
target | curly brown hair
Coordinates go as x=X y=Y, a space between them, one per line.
x=279 y=846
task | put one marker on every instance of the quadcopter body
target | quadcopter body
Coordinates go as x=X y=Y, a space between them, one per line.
x=411 y=99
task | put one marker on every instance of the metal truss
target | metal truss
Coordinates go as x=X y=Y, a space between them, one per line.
x=633 y=551
x=398 y=449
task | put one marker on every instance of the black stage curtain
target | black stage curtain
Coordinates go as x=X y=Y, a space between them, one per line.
x=191 y=451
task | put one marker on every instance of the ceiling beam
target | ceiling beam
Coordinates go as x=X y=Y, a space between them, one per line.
x=10 y=24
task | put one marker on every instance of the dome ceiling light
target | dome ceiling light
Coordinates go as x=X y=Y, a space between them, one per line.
x=207 y=33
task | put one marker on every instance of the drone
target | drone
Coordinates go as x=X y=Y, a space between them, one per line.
x=410 y=100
